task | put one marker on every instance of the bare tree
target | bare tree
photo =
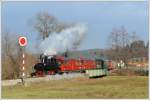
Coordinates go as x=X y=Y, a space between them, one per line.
x=113 y=39
x=124 y=37
x=134 y=37
x=11 y=56
x=118 y=40
x=45 y=24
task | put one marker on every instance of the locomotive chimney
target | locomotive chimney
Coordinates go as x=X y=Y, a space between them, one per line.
x=66 y=54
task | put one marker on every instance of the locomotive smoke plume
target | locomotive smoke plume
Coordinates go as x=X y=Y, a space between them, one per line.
x=67 y=39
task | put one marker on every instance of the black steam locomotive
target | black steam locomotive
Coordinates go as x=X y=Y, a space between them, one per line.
x=46 y=64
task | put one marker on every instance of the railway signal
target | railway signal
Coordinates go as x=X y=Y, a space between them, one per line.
x=23 y=42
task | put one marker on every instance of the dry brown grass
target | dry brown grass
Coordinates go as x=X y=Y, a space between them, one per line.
x=106 y=87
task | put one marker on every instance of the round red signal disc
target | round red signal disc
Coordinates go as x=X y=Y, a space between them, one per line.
x=22 y=41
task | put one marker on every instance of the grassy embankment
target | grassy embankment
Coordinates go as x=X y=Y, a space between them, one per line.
x=106 y=87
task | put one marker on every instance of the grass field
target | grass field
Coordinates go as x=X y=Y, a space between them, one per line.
x=106 y=87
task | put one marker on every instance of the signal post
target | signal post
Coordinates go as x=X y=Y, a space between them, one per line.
x=23 y=42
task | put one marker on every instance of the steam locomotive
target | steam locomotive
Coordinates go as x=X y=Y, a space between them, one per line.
x=51 y=65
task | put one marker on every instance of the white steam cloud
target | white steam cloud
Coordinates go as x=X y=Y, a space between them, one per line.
x=69 y=38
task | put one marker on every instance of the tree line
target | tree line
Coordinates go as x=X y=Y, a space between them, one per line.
x=124 y=45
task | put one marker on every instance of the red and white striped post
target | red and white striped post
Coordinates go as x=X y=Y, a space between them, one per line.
x=23 y=43
x=23 y=64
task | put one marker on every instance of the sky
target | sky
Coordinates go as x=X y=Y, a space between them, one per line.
x=99 y=17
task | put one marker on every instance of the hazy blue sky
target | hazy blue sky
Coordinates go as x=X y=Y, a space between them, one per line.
x=100 y=18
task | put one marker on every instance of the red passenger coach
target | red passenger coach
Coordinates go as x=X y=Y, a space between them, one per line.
x=77 y=65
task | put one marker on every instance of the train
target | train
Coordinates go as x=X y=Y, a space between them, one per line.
x=54 y=64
